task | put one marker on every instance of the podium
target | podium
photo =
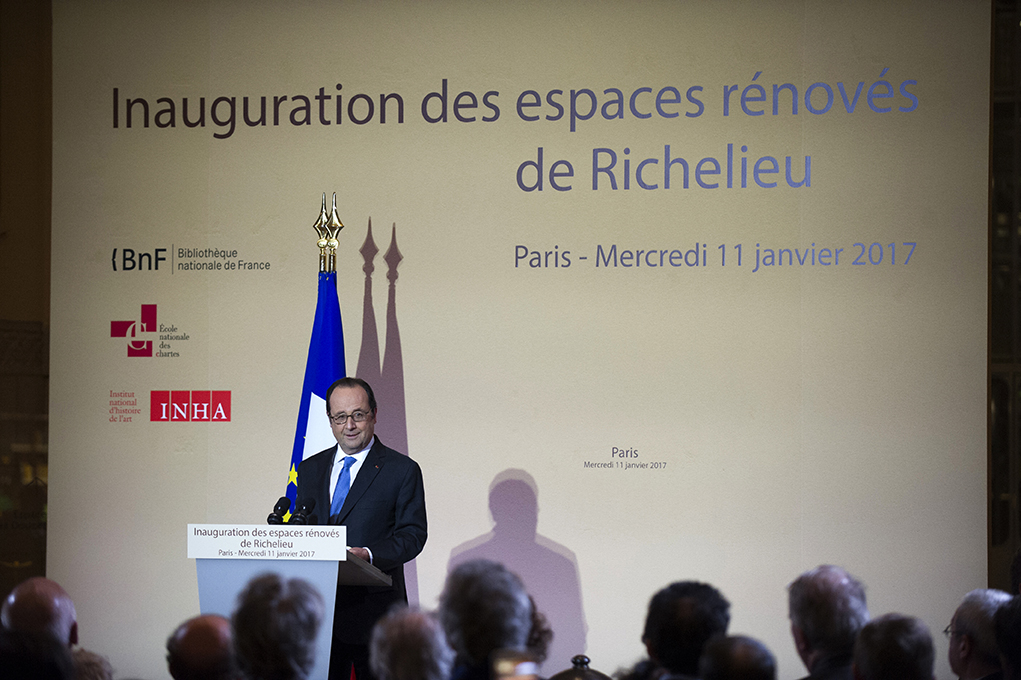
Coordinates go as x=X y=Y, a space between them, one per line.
x=228 y=556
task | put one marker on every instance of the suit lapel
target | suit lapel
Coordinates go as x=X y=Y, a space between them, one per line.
x=370 y=468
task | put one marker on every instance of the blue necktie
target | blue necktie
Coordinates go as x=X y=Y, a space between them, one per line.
x=343 y=486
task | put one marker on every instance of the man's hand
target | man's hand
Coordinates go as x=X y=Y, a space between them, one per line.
x=361 y=553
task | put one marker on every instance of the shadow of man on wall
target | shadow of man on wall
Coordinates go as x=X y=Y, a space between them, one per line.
x=548 y=569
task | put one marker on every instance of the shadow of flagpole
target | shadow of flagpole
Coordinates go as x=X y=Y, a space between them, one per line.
x=387 y=383
x=368 y=356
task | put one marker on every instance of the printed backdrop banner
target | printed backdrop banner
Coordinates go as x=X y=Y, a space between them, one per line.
x=652 y=291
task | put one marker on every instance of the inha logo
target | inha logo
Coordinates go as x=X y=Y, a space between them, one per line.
x=131 y=330
x=183 y=406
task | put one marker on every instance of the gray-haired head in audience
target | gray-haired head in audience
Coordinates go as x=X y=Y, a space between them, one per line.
x=826 y=606
x=484 y=607
x=971 y=649
x=275 y=627
x=409 y=644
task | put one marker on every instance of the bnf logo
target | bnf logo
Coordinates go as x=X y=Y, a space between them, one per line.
x=185 y=406
x=131 y=329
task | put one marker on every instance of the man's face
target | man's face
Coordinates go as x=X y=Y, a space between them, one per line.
x=352 y=436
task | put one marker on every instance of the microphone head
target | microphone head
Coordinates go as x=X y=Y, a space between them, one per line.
x=306 y=505
x=282 y=506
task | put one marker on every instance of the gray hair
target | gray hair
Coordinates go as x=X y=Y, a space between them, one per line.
x=484 y=607
x=91 y=666
x=828 y=605
x=409 y=644
x=974 y=618
x=894 y=647
x=275 y=627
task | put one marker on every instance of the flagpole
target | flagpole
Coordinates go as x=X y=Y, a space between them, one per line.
x=325 y=363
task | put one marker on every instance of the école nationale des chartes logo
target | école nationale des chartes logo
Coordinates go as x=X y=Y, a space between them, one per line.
x=137 y=331
x=189 y=406
x=148 y=338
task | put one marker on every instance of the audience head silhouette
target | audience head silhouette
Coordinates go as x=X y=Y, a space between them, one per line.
x=972 y=650
x=682 y=618
x=275 y=627
x=484 y=607
x=894 y=647
x=827 y=608
x=200 y=649
x=408 y=644
x=736 y=658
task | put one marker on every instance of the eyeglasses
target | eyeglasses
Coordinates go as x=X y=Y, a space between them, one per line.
x=357 y=416
x=949 y=631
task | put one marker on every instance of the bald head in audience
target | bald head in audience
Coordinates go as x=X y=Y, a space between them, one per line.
x=894 y=647
x=40 y=605
x=200 y=649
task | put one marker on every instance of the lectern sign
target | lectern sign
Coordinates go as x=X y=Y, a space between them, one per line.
x=267 y=542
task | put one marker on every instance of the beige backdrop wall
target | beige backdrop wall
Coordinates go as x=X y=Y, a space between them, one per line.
x=786 y=413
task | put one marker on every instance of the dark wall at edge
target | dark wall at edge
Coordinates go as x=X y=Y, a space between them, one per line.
x=26 y=97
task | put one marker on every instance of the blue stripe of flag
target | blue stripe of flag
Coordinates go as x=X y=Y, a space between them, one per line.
x=325 y=365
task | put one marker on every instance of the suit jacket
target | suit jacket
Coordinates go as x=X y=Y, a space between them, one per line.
x=385 y=512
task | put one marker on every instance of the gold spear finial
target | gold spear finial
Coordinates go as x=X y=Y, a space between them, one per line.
x=334 y=225
x=327 y=226
x=324 y=234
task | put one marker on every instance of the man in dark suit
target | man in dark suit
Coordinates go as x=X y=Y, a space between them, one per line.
x=377 y=493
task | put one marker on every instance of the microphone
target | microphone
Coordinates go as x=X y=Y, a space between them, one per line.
x=279 y=510
x=305 y=507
